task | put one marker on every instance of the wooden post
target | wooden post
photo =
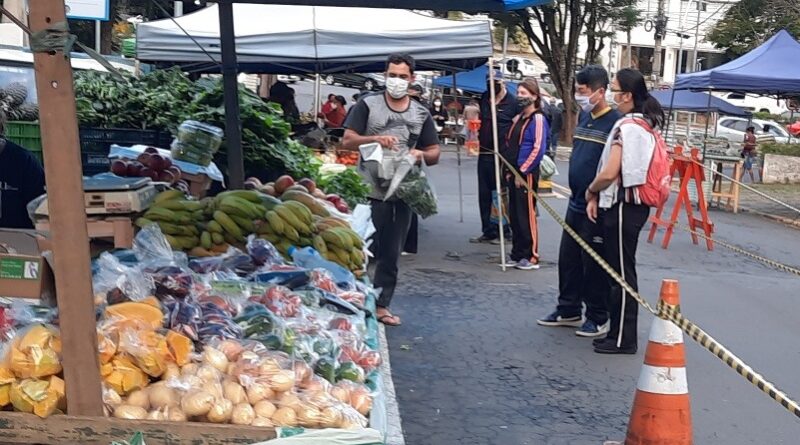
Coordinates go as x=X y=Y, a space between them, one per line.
x=62 y=162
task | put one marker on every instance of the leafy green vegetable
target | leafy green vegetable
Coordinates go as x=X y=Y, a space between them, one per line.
x=416 y=191
x=348 y=184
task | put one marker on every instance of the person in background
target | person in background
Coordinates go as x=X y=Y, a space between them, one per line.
x=623 y=167
x=336 y=114
x=506 y=106
x=328 y=105
x=439 y=114
x=283 y=95
x=526 y=143
x=472 y=111
x=556 y=122
x=21 y=181
x=581 y=281
x=749 y=153
x=396 y=122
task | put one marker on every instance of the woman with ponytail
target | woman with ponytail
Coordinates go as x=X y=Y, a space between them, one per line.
x=614 y=197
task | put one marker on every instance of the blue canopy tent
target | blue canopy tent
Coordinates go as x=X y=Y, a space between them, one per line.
x=770 y=69
x=470 y=81
x=697 y=102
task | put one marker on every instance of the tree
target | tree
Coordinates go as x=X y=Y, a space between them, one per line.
x=629 y=18
x=749 y=23
x=600 y=16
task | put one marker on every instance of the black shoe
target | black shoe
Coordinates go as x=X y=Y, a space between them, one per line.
x=609 y=346
x=598 y=341
x=555 y=319
x=483 y=239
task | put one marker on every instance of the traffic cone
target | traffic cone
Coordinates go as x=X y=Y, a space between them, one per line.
x=661 y=414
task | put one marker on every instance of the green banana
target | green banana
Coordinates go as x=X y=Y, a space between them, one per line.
x=301 y=210
x=291 y=234
x=229 y=225
x=244 y=223
x=319 y=245
x=289 y=216
x=214 y=227
x=244 y=205
x=143 y=222
x=275 y=222
x=335 y=239
x=357 y=257
x=205 y=240
x=248 y=195
x=168 y=195
x=217 y=238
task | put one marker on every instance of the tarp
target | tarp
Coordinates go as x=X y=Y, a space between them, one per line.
x=684 y=100
x=283 y=39
x=770 y=69
x=470 y=6
x=471 y=81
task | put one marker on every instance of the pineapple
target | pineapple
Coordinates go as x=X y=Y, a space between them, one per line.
x=15 y=94
x=29 y=112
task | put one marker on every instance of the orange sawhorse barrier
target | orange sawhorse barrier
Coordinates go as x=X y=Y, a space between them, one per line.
x=688 y=168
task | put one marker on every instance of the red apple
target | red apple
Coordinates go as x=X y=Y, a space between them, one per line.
x=148 y=172
x=144 y=158
x=119 y=167
x=333 y=198
x=157 y=163
x=151 y=150
x=283 y=183
x=309 y=184
x=135 y=168
x=175 y=171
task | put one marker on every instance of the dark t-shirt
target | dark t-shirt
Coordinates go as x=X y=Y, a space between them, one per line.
x=21 y=181
x=413 y=127
x=506 y=111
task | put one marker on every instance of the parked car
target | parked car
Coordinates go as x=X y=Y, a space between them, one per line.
x=756 y=104
x=368 y=82
x=518 y=67
x=733 y=129
x=288 y=78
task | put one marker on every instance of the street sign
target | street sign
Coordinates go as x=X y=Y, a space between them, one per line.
x=87 y=9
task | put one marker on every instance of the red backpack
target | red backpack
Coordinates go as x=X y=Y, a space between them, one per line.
x=655 y=191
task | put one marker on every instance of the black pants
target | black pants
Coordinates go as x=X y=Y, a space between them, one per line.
x=580 y=278
x=486 y=185
x=412 y=240
x=392 y=220
x=621 y=226
x=522 y=216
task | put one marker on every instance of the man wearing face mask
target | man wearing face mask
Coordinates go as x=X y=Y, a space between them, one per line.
x=506 y=111
x=396 y=122
x=580 y=279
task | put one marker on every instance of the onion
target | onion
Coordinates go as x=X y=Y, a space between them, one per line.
x=139 y=398
x=309 y=416
x=341 y=394
x=281 y=381
x=362 y=402
x=215 y=358
x=331 y=417
x=234 y=392
x=162 y=396
x=263 y=422
x=156 y=415
x=209 y=373
x=189 y=369
x=175 y=414
x=257 y=392
x=243 y=414
x=284 y=417
x=231 y=348
x=289 y=400
x=172 y=372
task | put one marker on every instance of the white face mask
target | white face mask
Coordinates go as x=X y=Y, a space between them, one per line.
x=397 y=87
x=612 y=101
x=585 y=102
x=437 y=103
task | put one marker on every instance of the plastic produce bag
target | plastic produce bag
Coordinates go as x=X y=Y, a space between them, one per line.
x=493 y=215
x=152 y=249
x=547 y=168
x=417 y=192
x=35 y=352
x=118 y=283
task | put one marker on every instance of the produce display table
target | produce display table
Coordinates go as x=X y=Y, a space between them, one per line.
x=118 y=228
x=718 y=193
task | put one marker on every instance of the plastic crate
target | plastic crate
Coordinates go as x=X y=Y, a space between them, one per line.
x=96 y=143
x=27 y=135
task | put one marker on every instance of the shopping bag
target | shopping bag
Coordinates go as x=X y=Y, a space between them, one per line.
x=493 y=215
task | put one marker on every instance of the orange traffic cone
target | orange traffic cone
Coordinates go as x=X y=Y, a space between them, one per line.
x=661 y=414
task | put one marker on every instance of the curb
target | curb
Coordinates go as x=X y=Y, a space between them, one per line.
x=794 y=223
x=394 y=432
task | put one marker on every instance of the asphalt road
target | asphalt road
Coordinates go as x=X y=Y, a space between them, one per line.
x=471 y=366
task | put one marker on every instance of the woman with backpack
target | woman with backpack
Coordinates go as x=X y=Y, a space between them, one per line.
x=527 y=141
x=632 y=176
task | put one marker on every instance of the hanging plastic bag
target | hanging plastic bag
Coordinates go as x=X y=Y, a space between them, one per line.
x=547 y=168
x=119 y=283
x=495 y=212
x=417 y=192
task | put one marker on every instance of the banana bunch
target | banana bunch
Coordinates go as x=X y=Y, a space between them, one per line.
x=337 y=242
x=231 y=217
x=288 y=224
x=177 y=217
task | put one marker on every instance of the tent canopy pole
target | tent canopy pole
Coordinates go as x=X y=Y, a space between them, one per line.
x=708 y=118
x=495 y=140
x=458 y=155
x=233 y=129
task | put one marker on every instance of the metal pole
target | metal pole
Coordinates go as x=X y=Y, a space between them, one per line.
x=705 y=138
x=458 y=156
x=696 y=38
x=98 y=31
x=657 y=50
x=505 y=44
x=317 y=92
x=495 y=140
x=233 y=129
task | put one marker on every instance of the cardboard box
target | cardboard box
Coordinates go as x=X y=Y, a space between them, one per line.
x=24 y=271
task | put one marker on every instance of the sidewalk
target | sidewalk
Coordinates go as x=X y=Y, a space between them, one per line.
x=788 y=193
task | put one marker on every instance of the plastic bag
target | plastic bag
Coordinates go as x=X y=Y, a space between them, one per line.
x=547 y=168
x=493 y=215
x=35 y=352
x=118 y=283
x=263 y=252
x=417 y=192
x=153 y=250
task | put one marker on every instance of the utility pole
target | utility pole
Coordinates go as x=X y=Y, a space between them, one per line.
x=693 y=68
x=660 y=28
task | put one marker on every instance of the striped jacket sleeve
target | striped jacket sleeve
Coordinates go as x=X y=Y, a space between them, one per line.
x=534 y=144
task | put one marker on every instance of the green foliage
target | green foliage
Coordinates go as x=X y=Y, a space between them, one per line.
x=780 y=149
x=749 y=23
x=347 y=184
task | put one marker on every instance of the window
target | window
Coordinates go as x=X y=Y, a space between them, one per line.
x=735 y=96
x=740 y=126
x=774 y=131
x=729 y=123
x=528 y=62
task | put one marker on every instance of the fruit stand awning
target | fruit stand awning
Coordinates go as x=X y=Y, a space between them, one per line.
x=289 y=39
x=699 y=102
x=469 y=6
x=770 y=69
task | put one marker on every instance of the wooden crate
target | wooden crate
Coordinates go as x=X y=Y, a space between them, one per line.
x=19 y=428
x=198 y=184
x=118 y=228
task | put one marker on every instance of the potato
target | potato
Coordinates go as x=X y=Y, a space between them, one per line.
x=341 y=394
x=156 y=414
x=172 y=372
x=130 y=412
x=284 y=416
x=221 y=412
x=234 y=392
x=243 y=414
x=362 y=402
x=162 y=396
x=309 y=416
x=281 y=381
x=174 y=414
x=139 y=398
x=189 y=369
x=264 y=409
x=289 y=400
x=257 y=392
x=215 y=358
x=197 y=403
x=331 y=417
x=263 y=422
x=209 y=373
x=231 y=348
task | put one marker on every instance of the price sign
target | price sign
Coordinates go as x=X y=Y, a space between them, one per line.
x=87 y=9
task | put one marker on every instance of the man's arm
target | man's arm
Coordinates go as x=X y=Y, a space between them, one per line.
x=356 y=125
x=429 y=141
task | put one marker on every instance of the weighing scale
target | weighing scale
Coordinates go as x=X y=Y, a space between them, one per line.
x=113 y=195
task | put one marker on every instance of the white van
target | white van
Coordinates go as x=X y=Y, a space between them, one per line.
x=756 y=104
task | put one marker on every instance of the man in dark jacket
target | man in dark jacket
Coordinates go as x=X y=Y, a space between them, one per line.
x=506 y=104
x=21 y=181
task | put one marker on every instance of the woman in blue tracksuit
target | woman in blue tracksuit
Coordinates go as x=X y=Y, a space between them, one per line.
x=527 y=142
